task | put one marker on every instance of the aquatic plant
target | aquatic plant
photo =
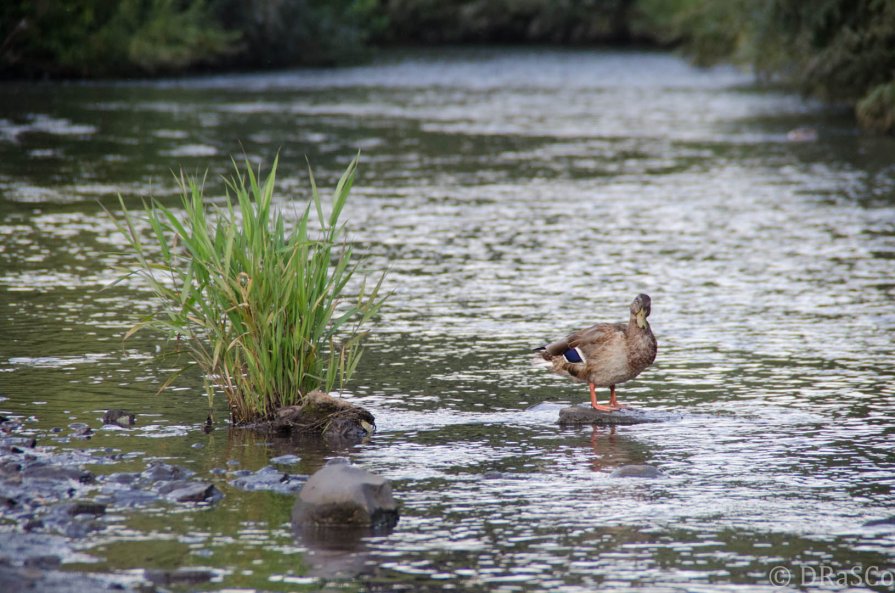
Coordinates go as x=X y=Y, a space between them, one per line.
x=264 y=311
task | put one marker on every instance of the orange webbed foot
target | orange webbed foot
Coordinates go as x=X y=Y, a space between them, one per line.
x=602 y=408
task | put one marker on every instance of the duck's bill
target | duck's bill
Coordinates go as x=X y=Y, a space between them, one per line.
x=641 y=319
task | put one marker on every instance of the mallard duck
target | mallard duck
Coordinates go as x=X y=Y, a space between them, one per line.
x=606 y=354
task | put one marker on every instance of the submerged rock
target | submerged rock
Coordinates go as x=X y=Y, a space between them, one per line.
x=269 y=478
x=163 y=472
x=182 y=491
x=74 y=519
x=20 y=442
x=29 y=563
x=46 y=471
x=585 y=415
x=119 y=418
x=28 y=578
x=44 y=562
x=133 y=498
x=81 y=508
x=181 y=576
x=80 y=430
x=123 y=478
x=340 y=494
x=637 y=471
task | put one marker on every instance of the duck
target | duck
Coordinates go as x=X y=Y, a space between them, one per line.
x=605 y=354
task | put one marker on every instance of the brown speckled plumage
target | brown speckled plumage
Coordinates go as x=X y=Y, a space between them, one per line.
x=613 y=352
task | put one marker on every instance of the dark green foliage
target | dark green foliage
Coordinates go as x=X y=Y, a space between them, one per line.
x=91 y=38
x=507 y=21
x=839 y=50
x=108 y=37
x=876 y=111
x=292 y=32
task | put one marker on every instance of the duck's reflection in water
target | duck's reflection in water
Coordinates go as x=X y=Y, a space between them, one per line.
x=612 y=450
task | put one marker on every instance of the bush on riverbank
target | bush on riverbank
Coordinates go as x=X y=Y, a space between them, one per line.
x=89 y=38
x=99 y=38
x=278 y=33
x=507 y=21
x=836 y=50
x=263 y=311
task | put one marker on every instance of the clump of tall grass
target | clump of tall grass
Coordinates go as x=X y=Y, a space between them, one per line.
x=261 y=306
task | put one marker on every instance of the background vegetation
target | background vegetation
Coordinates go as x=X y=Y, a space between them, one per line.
x=837 y=50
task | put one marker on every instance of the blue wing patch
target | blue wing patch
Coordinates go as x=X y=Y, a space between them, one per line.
x=573 y=355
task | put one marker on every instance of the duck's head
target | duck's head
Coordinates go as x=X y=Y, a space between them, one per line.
x=640 y=309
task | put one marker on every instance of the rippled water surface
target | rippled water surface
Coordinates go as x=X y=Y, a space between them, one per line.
x=513 y=196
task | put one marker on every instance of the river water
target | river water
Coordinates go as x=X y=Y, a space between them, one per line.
x=513 y=196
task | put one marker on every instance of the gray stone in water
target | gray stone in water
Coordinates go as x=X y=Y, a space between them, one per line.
x=23 y=442
x=75 y=520
x=181 y=576
x=45 y=471
x=133 y=498
x=269 y=478
x=341 y=494
x=162 y=472
x=286 y=459
x=586 y=415
x=43 y=562
x=80 y=430
x=191 y=492
x=29 y=563
x=637 y=471
x=123 y=478
x=10 y=468
x=119 y=418
x=82 y=508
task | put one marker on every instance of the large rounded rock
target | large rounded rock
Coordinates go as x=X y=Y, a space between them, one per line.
x=343 y=495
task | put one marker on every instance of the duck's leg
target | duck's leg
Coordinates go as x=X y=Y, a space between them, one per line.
x=613 y=403
x=593 y=401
